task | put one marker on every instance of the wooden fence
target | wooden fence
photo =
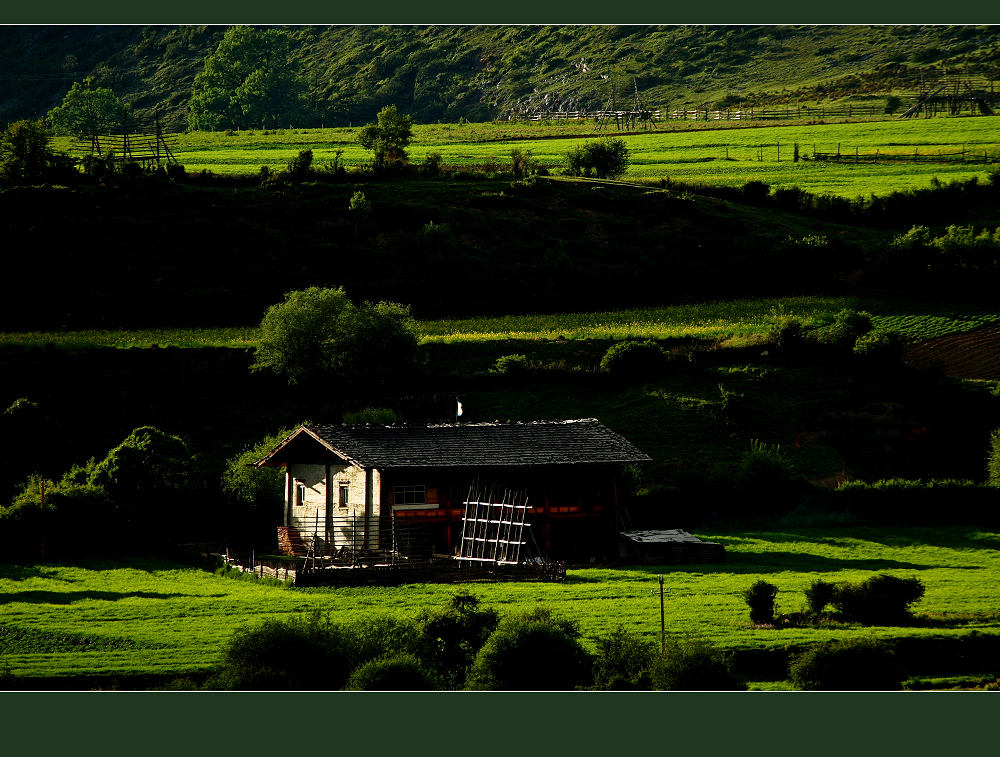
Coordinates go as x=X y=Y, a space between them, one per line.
x=927 y=156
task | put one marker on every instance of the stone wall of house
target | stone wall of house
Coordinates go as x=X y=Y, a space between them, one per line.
x=321 y=514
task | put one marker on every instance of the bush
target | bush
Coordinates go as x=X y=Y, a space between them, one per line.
x=532 y=652
x=510 y=365
x=693 y=666
x=819 y=594
x=854 y=665
x=24 y=152
x=521 y=163
x=300 y=167
x=384 y=635
x=760 y=598
x=392 y=673
x=450 y=639
x=606 y=159
x=881 y=347
x=624 y=660
x=878 y=601
x=766 y=476
x=296 y=654
x=993 y=461
x=379 y=416
x=756 y=191
x=848 y=325
x=634 y=359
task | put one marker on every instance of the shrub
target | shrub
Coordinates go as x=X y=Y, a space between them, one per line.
x=848 y=325
x=881 y=347
x=299 y=653
x=819 y=595
x=392 y=673
x=510 y=365
x=383 y=635
x=449 y=639
x=521 y=163
x=879 y=600
x=760 y=598
x=24 y=152
x=756 y=191
x=766 y=475
x=532 y=652
x=359 y=206
x=634 y=359
x=606 y=159
x=993 y=461
x=853 y=665
x=623 y=661
x=693 y=666
x=300 y=167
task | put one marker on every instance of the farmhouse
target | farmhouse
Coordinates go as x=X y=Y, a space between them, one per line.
x=363 y=488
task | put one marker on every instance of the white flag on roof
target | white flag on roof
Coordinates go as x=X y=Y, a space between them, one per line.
x=458 y=413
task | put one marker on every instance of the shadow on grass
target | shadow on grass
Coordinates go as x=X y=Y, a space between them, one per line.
x=69 y=597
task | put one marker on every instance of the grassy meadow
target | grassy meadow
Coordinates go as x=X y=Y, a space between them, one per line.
x=728 y=153
x=727 y=322
x=146 y=616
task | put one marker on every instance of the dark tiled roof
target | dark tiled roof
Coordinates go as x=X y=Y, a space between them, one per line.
x=480 y=444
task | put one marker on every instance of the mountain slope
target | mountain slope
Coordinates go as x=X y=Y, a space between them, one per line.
x=478 y=73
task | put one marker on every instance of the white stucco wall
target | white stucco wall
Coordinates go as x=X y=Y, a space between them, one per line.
x=310 y=518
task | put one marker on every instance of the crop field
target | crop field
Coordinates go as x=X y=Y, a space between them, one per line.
x=731 y=322
x=144 y=616
x=689 y=152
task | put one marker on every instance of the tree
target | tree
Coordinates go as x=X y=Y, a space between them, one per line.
x=605 y=159
x=387 y=139
x=249 y=80
x=259 y=490
x=319 y=334
x=24 y=152
x=85 y=111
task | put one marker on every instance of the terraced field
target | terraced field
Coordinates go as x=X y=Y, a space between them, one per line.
x=968 y=354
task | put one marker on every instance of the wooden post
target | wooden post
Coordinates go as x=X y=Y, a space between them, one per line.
x=663 y=624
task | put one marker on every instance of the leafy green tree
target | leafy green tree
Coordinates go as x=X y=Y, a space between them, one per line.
x=258 y=490
x=148 y=468
x=85 y=111
x=388 y=138
x=318 y=334
x=24 y=152
x=249 y=80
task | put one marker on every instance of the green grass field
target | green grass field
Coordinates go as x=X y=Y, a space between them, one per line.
x=721 y=153
x=732 y=322
x=144 y=616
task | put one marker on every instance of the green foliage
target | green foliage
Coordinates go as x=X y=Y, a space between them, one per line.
x=380 y=635
x=760 y=598
x=379 y=416
x=765 y=474
x=848 y=325
x=851 y=665
x=147 y=471
x=25 y=154
x=532 y=652
x=360 y=207
x=300 y=167
x=510 y=365
x=881 y=346
x=634 y=359
x=522 y=164
x=693 y=666
x=892 y=104
x=624 y=660
x=318 y=334
x=301 y=653
x=387 y=139
x=819 y=594
x=881 y=600
x=451 y=638
x=993 y=460
x=606 y=159
x=392 y=673
x=250 y=80
x=254 y=489
x=85 y=111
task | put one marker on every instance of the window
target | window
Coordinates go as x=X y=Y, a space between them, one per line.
x=300 y=493
x=409 y=495
x=344 y=489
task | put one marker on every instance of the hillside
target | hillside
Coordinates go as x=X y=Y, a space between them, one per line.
x=480 y=73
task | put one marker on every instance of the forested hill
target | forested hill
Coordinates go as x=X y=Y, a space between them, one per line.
x=479 y=73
